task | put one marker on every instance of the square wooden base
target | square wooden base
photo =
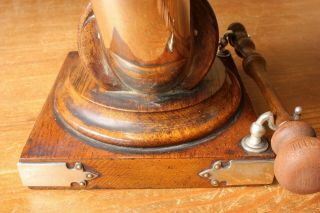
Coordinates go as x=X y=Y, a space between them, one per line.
x=48 y=142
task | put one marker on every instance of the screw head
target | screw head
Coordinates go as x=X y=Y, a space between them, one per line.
x=89 y=175
x=78 y=166
x=82 y=183
x=206 y=175
x=217 y=166
x=215 y=183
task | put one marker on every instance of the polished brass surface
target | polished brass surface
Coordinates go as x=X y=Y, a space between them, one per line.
x=240 y=172
x=146 y=27
x=148 y=46
x=54 y=174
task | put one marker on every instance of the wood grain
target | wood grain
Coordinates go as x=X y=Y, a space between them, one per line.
x=146 y=129
x=34 y=40
x=156 y=168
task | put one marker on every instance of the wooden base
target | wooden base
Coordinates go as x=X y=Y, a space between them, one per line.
x=48 y=142
x=142 y=131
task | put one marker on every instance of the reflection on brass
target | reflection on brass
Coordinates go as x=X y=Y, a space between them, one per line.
x=148 y=46
x=144 y=26
x=240 y=172
x=55 y=174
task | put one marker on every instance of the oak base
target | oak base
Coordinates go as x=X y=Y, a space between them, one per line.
x=49 y=142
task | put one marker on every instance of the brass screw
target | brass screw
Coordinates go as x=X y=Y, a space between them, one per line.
x=206 y=175
x=215 y=183
x=82 y=183
x=217 y=166
x=78 y=166
x=89 y=175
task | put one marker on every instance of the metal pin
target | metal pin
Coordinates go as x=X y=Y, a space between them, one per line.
x=297 y=113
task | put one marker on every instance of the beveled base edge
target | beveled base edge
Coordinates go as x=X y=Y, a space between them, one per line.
x=49 y=143
x=143 y=132
x=146 y=150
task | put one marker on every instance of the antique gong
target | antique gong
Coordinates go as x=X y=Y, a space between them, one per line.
x=153 y=99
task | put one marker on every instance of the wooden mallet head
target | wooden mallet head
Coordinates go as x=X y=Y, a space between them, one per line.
x=297 y=165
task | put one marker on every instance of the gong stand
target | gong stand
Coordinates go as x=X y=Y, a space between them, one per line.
x=152 y=99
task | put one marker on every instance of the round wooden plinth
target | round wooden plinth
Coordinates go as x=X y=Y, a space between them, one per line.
x=141 y=110
x=136 y=129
